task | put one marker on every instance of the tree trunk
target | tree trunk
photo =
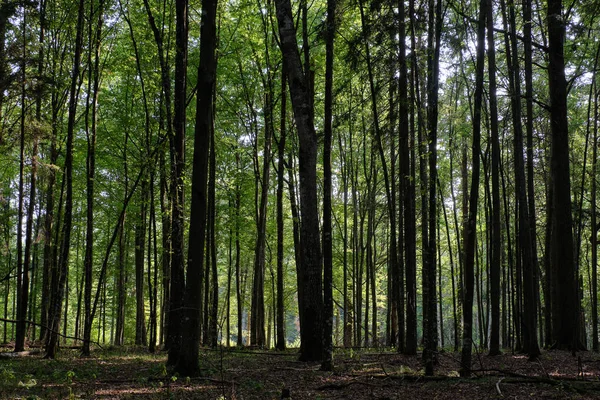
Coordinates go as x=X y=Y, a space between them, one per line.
x=257 y=323
x=311 y=317
x=281 y=342
x=177 y=150
x=407 y=185
x=429 y=296
x=22 y=273
x=471 y=224
x=496 y=237
x=63 y=261
x=565 y=307
x=594 y=223
x=187 y=365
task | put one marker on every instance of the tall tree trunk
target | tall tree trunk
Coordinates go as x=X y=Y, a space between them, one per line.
x=471 y=224
x=524 y=233
x=94 y=40
x=22 y=273
x=187 y=365
x=311 y=316
x=594 y=223
x=327 y=363
x=257 y=323
x=140 y=246
x=63 y=261
x=280 y=342
x=496 y=237
x=212 y=217
x=408 y=191
x=429 y=297
x=238 y=272
x=390 y=190
x=565 y=307
x=177 y=144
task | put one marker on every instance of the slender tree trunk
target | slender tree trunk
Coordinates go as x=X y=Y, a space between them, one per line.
x=496 y=236
x=408 y=191
x=63 y=261
x=471 y=224
x=327 y=363
x=93 y=88
x=430 y=302
x=177 y=148
x=524 y=233
x=257 y=322
x=389 y=186
x=281 y=342
x=214 y=306
x=594 y=222
x=238 y=272
x=22 y=273
x=311 y=316
x=187 y=364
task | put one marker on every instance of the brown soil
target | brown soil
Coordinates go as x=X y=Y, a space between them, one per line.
x=241 y=374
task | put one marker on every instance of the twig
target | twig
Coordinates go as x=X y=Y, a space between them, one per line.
x=498 y=386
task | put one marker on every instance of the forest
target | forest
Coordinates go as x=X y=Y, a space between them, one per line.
x=412 y=178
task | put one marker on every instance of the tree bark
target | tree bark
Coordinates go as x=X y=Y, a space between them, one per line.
x=311 y=316
x=327 y=363
x=471 y=224
x=177 y=145
x=281 y=342
x=188 y=362
x=63 y=261
x=565 y=307
x=496 y=236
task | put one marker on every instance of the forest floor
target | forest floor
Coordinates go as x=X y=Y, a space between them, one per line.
x=133 y=373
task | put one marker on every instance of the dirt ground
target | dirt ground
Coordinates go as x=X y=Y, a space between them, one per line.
x=132 y=373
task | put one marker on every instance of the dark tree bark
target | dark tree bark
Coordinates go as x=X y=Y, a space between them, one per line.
x=94 y=41
x=257 y=322
x=212 y=216
x=188 y=363
x=496 y=237
x=471 y=224
x=565 y=307
x=22 y=273
x=389 y=191
x=408 y=191
x=311 y=315
x=122 y=263
x=529 y=320
x=238 y=272
x=165 y=196
x=140 y=247
x=63 y=261
x=594 y=222
x=429 y=264
x=280 y=342
x=327 y=363
x=176 y=144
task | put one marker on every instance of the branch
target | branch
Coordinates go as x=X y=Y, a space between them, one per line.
x=14 y=321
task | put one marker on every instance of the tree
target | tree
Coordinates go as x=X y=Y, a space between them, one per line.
x=176 y=146
x=188 y=361
x=565 y=305
x=496 y=239
x=311 y=313
x=59 y=282
x=470 y=226
x=327 y=363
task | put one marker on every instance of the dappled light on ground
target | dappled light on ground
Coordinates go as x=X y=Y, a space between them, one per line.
x=243 y=374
